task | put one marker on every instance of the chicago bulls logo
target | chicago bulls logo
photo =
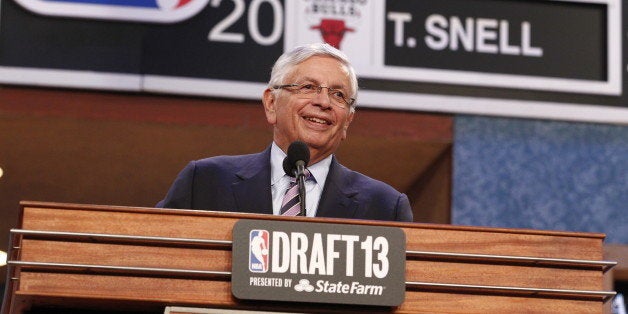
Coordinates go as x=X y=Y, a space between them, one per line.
x=333 y=19
x=333 y=31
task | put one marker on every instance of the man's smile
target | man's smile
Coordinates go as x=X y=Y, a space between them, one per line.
x=318 y=120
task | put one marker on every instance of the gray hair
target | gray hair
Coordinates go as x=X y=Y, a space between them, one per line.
x=287 y=61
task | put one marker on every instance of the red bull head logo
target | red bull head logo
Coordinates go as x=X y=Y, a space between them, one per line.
x=332 y=21
x=333 y=31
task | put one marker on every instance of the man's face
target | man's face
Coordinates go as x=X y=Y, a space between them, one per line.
x=312 y=119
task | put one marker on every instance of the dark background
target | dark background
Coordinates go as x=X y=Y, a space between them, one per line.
x=556 y=26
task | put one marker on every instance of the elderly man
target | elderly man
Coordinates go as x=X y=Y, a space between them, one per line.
x=311 y=98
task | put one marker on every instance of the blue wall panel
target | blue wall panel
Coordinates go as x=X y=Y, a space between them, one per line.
x=550 y=175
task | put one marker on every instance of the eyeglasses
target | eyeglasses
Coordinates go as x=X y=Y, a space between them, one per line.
x=337 y=96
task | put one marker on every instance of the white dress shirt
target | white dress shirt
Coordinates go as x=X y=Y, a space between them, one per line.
x=279 y=181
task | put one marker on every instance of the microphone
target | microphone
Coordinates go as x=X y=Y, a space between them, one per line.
x=298 y=157
x=294 y=166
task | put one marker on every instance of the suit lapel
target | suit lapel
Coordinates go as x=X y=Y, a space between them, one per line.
x=252 y=189
x=337 y=200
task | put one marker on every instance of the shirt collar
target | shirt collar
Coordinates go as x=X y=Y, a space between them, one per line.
x=319 y=170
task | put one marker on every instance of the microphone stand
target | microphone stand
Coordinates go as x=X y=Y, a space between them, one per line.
x=300 y=175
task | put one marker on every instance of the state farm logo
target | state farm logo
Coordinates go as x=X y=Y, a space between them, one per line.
x=329 y=287
x=304 y=285
x=334 y=18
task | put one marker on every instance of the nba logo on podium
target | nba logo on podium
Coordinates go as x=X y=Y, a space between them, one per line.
x=258 y=251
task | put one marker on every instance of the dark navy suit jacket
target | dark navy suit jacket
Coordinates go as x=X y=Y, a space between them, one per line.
x=242 y=184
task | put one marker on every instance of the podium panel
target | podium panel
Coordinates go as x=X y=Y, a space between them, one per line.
x=144 y=259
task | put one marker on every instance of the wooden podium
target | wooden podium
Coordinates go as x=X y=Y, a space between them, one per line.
x=109 y=258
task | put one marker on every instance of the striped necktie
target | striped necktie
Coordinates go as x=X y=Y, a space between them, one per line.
x=291 y=206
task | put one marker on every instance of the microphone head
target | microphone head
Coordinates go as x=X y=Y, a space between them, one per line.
x=297 y=151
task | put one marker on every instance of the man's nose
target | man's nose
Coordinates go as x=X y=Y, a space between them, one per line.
x=322 y=97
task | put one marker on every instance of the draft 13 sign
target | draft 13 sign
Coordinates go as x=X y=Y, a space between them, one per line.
x=317 y=262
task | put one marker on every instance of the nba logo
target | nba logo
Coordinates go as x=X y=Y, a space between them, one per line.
x=259 y=247
x=152 y=11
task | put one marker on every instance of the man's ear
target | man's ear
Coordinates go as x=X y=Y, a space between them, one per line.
x=346 y=126
x=269 y=101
